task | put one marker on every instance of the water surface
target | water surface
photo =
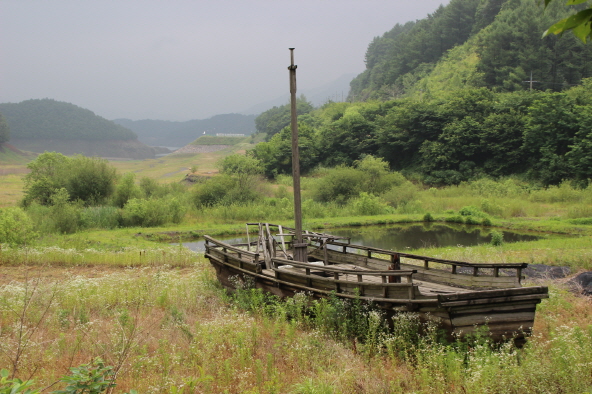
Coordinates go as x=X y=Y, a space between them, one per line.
x=401 y=237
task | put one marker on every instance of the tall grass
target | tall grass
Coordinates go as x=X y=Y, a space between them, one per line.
x=165 y=330
x=169 y=256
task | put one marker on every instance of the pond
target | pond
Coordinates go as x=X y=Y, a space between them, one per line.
x=401 y=237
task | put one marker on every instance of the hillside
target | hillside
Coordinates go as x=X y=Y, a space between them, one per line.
x=40 y=125
x=501 y=46
x=176 y=134
x=11 y=155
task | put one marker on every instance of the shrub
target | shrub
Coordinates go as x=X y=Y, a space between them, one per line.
x=150 y=188
x=212 y=191
x=339 y=185
x=369 y=204
x=16 y=227
x=428 y=217
x=497 y=238
x=100 y=217
x=126 y=189
x=471 y=211
x=90 y=180
x=152 y=212
x=454 y=219
x=65 y=216
x=400 y=194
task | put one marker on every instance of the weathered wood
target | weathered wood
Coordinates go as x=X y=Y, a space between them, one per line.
x=493 y=293
x=493 y=300
x=444 y=293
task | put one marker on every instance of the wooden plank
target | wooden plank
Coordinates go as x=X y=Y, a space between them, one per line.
x=494 y=318
x=493 y=293
x=493 y=300
x=228 y=246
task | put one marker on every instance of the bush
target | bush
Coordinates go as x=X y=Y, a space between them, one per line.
x=100 y=217
x=212 y=191
x=471 y=211
x=126 y=190
x=401 y=194
x=65 y=216
x=152 y=212
x=339 y=185
x=497 y=238
x=16 y=227
x=369 y=204
x=90 y=180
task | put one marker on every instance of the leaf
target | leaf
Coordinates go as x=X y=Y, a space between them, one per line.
x=582 y=32
x=556 y=28
x=578 y=19
x=573 y=2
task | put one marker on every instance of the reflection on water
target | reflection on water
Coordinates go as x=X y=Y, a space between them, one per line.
x=401 y=237
x=425 y=236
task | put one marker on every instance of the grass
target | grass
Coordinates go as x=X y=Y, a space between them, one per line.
x=164 y=329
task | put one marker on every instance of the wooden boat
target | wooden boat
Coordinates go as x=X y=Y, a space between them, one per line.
x=461 y=296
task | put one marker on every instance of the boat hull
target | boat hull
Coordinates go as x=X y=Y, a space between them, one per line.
x=501 y=314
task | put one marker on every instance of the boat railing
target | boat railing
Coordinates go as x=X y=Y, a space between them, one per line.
x=234 y=248
x=472 y=269
x=339 y=278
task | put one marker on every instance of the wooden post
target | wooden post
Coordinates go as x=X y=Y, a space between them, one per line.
x=395 y=265
x=300 y=248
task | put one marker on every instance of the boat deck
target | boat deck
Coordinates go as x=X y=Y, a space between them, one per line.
x=425 y=288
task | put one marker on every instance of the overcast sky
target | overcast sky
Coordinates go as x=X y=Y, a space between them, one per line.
x=181 y=59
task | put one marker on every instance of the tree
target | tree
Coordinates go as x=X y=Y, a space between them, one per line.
x=580 y=23
x=90 y=180
x=4 y=130
x=275 y=119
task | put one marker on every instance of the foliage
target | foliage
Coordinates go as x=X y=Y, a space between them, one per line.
x=407 y=52
x=152 y=212
x=369 y=204
x=275 y=119
x=580 y=23
x=16 y=228
x=14 y=386
x=50 y=119
x=93 y=378
x=497 y=238
x=91 y=180
x=471 y=43
x=244 y=168
x=4 y=130
x=65 y=216
x=127 y=189
x=457 y=137
x=276 y=154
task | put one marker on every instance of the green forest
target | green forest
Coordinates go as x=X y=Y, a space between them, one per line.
x=496 y=44
x=51 y=119
x=450 y=98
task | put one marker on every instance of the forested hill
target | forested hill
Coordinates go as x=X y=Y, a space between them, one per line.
x=166 y=133
x=51 y=119
x=474 y=43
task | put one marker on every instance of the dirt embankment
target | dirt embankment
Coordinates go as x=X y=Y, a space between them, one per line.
x=200 y=148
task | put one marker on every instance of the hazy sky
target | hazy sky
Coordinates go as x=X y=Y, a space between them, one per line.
x=181 y=59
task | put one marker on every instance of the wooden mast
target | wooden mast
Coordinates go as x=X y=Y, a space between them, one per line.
x=300 y=251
